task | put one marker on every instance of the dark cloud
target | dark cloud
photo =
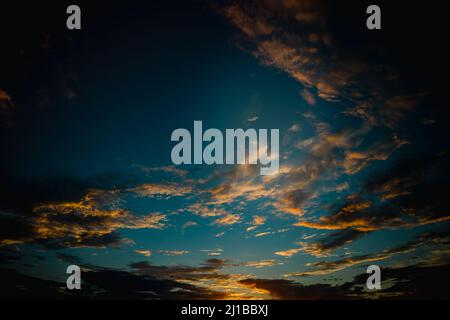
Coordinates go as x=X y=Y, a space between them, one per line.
x=101 y=284
x=17 y=286
x=429 y=240
x=67 y=212
x=8 y=255
x=72 y=259
x=411 y=193
x=290 y=290
x=338 y=239
x=207 y=270
x=143 y=282
x=14 y=228
x=6 y=109
x=413 y=282
x=309 y=41
x=110 y=284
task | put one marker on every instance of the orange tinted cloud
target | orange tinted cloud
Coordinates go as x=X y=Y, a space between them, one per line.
x=87 y=219
x=161 y=189
x=146 y=253
x=228 y=219
x=288 y=253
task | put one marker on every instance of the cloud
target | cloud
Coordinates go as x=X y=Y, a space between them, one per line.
x=14 y=229
x=411 y=282
x=327 y=267
x=363 y=110
x=252 y=119
x=77 y=222
x=161 y=189
x=228 y=219
x=325 y=246
x=231 y=190
x=101 y=283
x=205 y=210
x=262 y=234
x=207 y=277
x=355 y=161
x=21 y=287
x=324 y=160
x=417 y=282
x=4 y=97
x=188 y=224
x=128 y=285
x=213 y=253
x=207 y=269
x=6 y=109
x=288 y=253
x=8 y=255
x=304 y=40
x=306 y=56
x=410 y=193
x=146 y=282
x=92 y=221
x=173 y=252
x=291 y=201
x=308 y=96
x=251 y=27
x=294 y=128
x=72 y=259
x=396 y=107
x=146 y=253
x=259 y=264
x=289 y=290
x=256 y=221
x=173 y=170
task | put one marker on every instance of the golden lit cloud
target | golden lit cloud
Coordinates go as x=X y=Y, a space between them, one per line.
x=228 y=219
x=161 y=189
x=86 y=219
x=146 y=253
x=288 y=253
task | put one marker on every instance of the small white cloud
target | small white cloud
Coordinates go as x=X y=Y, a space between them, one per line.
x=294 y=128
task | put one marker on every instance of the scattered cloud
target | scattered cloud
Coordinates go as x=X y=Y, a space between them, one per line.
x=161 y=189
x=228 y=219
x=188 y=224
x=260 y=264
x=294 y=128
x=173 y=252
x=146 y=253
x=326 y=267
x=288 y=253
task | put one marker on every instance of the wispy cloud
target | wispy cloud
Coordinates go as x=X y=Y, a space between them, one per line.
x=146 y=253
x=161 y=189
x=173 y=252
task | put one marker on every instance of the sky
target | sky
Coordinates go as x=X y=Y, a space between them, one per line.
x=86 y=176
